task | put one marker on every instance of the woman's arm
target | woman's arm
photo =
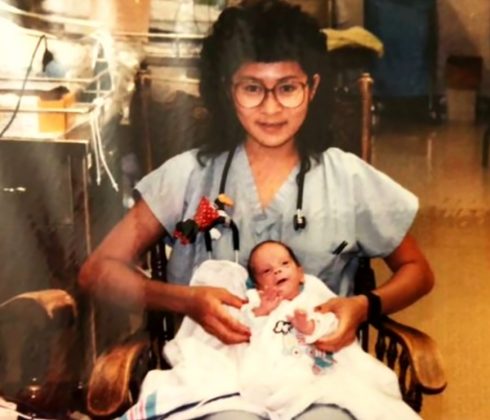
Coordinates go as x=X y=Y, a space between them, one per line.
x=110 y=273
x=412 y=278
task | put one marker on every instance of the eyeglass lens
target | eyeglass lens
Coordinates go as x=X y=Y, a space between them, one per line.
x=250 y=94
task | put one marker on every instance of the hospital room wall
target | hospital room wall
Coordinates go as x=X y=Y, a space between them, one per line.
x=463 y=29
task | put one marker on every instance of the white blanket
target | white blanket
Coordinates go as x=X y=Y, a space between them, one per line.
x=274 y=375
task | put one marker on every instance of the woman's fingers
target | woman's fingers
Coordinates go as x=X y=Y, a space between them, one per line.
x=228 y=329
x=229 y=299
x=334 y=342
x=350 y=313
x=229 y=321
x=209 y=311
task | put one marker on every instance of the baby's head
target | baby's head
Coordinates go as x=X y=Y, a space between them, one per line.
x=273 y=264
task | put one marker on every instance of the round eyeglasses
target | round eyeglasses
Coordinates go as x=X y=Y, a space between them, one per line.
x=251 y=94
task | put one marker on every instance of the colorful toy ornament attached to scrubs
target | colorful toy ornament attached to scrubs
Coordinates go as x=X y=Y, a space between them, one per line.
x=208 y=215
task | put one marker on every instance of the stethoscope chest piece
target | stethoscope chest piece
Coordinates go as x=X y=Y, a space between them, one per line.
x=299 y=220
x=210 y=214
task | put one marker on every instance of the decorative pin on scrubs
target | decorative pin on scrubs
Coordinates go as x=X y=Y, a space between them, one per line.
x=208 y=215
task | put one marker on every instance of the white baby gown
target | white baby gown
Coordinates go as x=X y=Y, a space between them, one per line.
x=277 y=375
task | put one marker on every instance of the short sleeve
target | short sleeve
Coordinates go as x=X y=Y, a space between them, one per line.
x=164 y=189
x=382 y=210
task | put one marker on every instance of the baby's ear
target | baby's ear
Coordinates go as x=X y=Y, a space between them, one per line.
x=302 y=274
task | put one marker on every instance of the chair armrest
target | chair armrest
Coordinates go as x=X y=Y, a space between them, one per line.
x=52 y=306
x=116 y=378
x=424 y=357
x=415 y=358
x=38 y=341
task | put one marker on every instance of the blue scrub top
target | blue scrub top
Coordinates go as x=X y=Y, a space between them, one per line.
x=345 y=199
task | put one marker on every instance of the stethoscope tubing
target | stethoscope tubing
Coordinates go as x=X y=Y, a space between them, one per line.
x=299 y=220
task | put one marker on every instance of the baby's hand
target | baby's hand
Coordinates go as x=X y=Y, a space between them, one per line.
x=301 y=322
x=269 y=300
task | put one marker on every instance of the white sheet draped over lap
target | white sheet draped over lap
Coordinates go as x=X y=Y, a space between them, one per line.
x=272 y=375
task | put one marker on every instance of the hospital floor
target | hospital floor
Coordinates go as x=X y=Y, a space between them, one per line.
x=441 y=164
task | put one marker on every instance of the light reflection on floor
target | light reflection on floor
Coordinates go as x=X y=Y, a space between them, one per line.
x=441 y=164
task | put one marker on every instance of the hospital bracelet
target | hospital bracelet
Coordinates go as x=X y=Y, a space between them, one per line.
x=374 y=312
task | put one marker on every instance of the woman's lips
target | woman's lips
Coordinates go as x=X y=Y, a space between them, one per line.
x=271 y=127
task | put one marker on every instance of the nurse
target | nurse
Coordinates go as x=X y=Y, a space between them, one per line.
x=263 y=84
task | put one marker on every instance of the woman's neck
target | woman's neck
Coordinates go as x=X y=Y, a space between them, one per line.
x=271 y=167
x=283 y=155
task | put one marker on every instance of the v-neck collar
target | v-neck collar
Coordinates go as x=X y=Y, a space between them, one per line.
x=251 y=192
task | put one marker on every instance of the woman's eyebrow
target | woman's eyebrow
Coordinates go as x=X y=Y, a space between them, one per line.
x=283 y=79
x=256 y=79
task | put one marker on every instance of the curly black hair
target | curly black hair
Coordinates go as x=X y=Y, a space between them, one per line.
x=261 y=31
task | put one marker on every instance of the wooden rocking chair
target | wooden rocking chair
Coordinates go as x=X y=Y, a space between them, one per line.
x=116 y=378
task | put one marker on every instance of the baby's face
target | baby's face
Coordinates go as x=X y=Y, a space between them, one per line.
x=273 y=268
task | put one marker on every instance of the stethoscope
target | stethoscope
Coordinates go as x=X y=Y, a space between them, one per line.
x=299 y=219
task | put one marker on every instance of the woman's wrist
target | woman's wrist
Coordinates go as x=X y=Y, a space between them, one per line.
x=168 y=297
x=374 y=310
x=364 y=305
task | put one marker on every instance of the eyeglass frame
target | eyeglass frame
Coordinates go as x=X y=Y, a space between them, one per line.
x=272 y=90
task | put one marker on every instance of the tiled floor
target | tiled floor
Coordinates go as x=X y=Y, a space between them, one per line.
x=441 y=164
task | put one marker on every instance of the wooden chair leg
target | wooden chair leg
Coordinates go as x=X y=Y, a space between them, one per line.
x=485 y=148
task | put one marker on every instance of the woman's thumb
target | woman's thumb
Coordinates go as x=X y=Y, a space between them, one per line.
x=230 y=299
x=325 y=307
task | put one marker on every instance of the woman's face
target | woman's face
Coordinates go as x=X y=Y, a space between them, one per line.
x=271 y=124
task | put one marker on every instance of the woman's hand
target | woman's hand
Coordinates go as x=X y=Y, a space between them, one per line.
x=206 y=307
x=351 y=312
x=412 y=278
